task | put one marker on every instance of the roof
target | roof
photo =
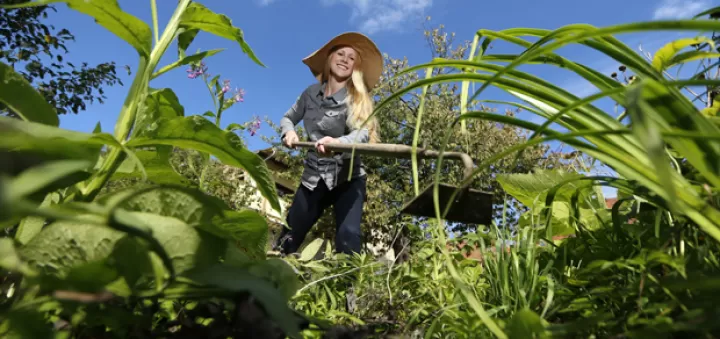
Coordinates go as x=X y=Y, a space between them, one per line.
x=282 y=184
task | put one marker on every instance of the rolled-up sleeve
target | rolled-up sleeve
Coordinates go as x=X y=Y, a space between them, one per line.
x=293 y=116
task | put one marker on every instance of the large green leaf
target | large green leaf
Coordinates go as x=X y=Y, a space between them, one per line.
x=108 y=14
x=30 y=226
x=532 y=188
x=64 y=249
x=51 y=142
x=185 y=38
x=187 y=204
x=19 y=95
x=187 y=247
x=157 y=169
x=242 y=280
x=21 y=323
x=48 y=177
x=200 y=17
x=663 y=57
x=10 y=259
x=159 y=103
x=187 y=60
x=200 y=134
x=247 y=229
x=526 y=324
x=64 y=245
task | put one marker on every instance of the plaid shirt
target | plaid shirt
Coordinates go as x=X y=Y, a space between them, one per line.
x=325 y=116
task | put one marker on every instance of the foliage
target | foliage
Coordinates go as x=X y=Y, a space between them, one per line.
x=81 y=247
x=574 y=266
x=165 y=254
x=389 y=187
x=25 y=41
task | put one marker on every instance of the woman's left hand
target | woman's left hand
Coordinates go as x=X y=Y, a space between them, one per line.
x=319 y=145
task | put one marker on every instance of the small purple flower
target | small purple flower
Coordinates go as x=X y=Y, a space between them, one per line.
x=239 y=95
x=254 y=127
x=197 y=70
x=226 y=86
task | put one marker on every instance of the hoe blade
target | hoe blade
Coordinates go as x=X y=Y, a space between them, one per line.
x=470 y=206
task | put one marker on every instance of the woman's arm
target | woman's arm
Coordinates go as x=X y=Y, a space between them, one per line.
x=359 y=136
x=293 y=116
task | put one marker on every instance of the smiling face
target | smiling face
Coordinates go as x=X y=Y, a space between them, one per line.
x=342 y=62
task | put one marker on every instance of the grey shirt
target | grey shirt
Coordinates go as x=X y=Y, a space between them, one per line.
x=325 y=116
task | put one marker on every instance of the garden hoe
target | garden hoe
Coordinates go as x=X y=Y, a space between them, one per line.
x=469 y=206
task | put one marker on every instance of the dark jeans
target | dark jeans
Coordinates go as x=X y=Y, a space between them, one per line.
x=308 y=206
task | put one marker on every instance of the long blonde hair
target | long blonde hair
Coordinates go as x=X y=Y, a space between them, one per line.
x=359 y=101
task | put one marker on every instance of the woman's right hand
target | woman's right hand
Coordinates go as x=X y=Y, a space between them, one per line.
x=290 y=139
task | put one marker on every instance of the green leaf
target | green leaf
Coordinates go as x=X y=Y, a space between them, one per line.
x=234 y=126
x=10 y=259
x=132 y=260
x=198 y=133
x=49 y=177
x=21 y=98
x=32 y=225
x=197 y=16
x=108 y=14
x=312 y=249
x=63 y=245
x=187 y=60
x=21 y=323
x=187 y=247
x=159 y=103
x=157 y=169
x=712 y=110
x=51 y=142
x=526 y=324
x=241 y=280
x=187 y=204
x=664 y=55
x=246 y=228
x=532 y=188
x=278 y=272
x=691 y=56
x=185 y=38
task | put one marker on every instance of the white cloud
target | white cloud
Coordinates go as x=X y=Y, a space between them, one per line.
x=679 y=9
x=383 y=15
x=265 y=2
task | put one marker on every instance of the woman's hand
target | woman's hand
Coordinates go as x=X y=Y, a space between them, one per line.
x=290 y=139
x=319 y=145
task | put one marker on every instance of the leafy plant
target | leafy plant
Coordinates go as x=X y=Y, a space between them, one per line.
x=158 y=242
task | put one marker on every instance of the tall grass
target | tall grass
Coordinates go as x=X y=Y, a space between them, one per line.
x=664 y=128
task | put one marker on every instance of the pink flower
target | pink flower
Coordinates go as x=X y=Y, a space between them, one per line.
x=196 y=70
x=226 y=86
x=239 y=95
x=254 y=127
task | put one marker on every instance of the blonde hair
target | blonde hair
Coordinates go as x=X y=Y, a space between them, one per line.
x=359 y=101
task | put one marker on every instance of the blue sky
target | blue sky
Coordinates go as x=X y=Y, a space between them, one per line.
x=282 y=32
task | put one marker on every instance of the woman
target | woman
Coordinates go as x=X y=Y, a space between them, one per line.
x=333 y=110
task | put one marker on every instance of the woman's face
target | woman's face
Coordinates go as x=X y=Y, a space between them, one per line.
x=342 y=62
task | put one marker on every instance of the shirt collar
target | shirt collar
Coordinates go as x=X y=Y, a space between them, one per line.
x=338 y=97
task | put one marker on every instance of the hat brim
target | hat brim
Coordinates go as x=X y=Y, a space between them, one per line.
x=372 y=62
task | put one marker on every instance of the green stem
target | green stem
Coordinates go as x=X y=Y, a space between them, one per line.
x=153 y=6
x=137 y=93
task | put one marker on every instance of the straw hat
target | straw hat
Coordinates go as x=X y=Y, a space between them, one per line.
x=372 y=62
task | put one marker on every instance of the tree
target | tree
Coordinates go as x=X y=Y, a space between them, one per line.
x=36 y=51
x=389 y=184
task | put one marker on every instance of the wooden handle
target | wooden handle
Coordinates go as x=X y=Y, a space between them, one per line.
x=393 y=151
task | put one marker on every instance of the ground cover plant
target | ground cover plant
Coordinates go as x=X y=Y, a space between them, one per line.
x=166 y=255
